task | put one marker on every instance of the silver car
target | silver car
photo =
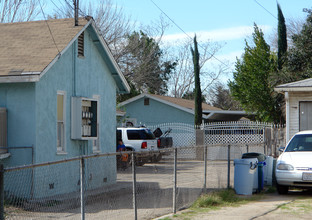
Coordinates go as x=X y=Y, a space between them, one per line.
x=294 y=165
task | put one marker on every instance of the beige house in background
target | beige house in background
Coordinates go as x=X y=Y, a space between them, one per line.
x=298 y=98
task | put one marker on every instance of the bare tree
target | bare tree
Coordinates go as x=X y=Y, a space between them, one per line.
x=182 y=80
x=112 y=22
x=220 y=97
x=18 y=10
x=293 y=25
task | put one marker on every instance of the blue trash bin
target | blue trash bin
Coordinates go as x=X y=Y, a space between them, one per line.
x=259 y=178
x=260 y=175
x=244 y=172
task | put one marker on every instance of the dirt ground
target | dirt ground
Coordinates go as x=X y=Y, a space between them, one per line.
x=295 y=205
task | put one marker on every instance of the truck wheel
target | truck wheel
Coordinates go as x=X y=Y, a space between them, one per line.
x=156 y=159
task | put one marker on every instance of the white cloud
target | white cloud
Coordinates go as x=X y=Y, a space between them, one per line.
x=228 y=61
x=226 y=34
x=231 y=57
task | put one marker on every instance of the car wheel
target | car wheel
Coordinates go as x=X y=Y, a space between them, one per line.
x=281 y=189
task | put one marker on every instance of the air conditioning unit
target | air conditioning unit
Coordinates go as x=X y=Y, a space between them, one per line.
x=3 y=130
x=84 y=117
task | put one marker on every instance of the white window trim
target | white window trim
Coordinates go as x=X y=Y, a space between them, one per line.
x=63 y=150
x=96 y=148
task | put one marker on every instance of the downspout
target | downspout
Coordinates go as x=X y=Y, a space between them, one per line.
x=74 y=69
x=287 y=116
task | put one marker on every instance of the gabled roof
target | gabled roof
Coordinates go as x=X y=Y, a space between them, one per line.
x=28 y=50
x=209 y=112
x=189 y=104
x=299 y=86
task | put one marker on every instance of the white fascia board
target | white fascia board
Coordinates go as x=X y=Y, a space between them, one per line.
x=30 y=73
x=131 y=100
x=110 y=55
x=294 y=89
x=19 y=78
x=64 y=50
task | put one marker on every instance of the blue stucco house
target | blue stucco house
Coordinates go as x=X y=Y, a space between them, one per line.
x=58 y=85
x=151 y=109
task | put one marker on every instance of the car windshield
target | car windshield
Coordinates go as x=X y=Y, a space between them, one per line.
x=301 y=142
x=140 y=134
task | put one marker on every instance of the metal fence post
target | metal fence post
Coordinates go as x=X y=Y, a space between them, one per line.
x=175 y=182
x=1 y=192
x=229 y=166
x=82 y=182
x=205 y=169
x=134 y=186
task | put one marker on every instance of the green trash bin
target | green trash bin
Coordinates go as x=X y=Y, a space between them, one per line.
x=261 y=162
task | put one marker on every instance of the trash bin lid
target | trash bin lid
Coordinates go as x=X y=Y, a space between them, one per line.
x=261 y=157
x=245 y=161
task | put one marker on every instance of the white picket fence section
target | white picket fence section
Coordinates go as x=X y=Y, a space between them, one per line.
x=183 y=135
x=244 y=135
x=237 y=132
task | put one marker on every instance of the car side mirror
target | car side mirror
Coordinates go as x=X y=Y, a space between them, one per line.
x=281 y=149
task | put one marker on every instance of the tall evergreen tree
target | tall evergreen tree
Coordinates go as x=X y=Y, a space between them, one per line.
x=299 y=58
x=198 y=95
x=251 y=86
x=282 y=38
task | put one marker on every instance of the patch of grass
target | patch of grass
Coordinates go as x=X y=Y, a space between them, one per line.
x=303 y=205
x=222 y=198
x=214 y=201
x=284 y=207
x=271 y=189
x=207 y=201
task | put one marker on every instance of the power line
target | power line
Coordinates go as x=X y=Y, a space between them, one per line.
x=265 y=9
x=81 y=12
x=187 y=33
x=55 y=5
x=48 y=26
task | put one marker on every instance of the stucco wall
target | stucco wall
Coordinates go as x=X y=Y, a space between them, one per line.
x=32 y=120
x=19 y=100
x=156 y=113
x=82 y=77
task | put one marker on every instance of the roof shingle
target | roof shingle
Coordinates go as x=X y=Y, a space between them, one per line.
x=29 y=47
x=186 y=103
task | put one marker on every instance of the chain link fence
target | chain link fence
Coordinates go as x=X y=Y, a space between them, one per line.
x=66 y=190
x=116 y=186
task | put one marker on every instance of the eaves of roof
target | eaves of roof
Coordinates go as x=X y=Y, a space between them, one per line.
x=191 y=111
x=298 y=86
